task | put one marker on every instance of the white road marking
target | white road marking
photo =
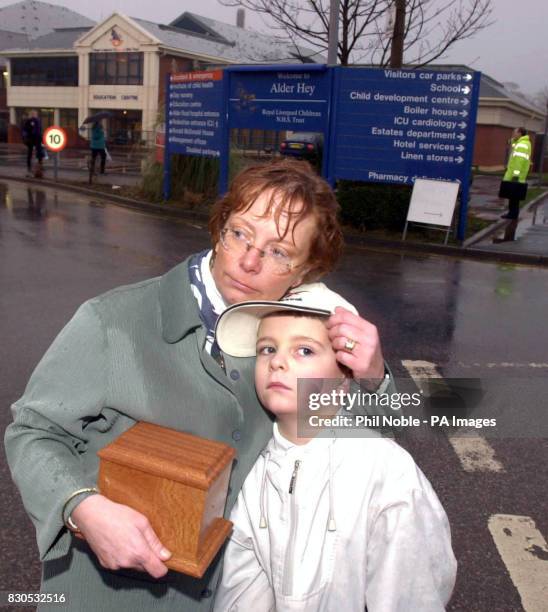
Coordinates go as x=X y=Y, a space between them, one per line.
x=525 y=554
x=473 y=451
x=420 y=372
x=424 y=369
x=504 y=364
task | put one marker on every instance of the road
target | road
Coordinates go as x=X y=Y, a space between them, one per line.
x=438 y=317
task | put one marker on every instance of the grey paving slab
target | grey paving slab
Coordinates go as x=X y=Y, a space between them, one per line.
x=531 y=235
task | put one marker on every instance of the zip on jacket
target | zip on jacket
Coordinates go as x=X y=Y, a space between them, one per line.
x=287 y=580
x=389 y=550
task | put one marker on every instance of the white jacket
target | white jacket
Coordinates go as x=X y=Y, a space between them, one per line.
x=360 y=527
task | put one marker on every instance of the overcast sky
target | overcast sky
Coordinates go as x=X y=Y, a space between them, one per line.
x=514 y=48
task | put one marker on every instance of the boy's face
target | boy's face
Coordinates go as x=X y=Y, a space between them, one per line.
x=291 y=347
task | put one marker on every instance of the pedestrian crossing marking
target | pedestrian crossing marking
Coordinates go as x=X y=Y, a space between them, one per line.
x=421 y=371
x=525 y=555
x=474 y=452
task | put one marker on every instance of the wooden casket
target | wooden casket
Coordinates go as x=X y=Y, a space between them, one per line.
x=179 y=482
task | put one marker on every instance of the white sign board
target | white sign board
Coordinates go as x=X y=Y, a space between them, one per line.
x=433 y=202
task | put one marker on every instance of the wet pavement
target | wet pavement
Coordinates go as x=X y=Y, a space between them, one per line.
x=469 y=319
x=529 y=237
x=527 y=242
x=124 y=169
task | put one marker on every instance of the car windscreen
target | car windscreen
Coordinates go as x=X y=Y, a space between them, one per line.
x=303 y=137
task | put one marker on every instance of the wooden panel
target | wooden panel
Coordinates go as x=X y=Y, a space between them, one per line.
x=215 y=501
x=170 y=454
x=173 y=509
x=213 y=541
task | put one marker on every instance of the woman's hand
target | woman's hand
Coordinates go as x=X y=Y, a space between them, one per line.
x=119 y=536
x=365 y=358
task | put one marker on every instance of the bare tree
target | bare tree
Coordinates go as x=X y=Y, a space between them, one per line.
x=368 y=29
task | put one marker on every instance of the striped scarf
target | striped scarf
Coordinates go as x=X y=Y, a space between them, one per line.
x=210 y=301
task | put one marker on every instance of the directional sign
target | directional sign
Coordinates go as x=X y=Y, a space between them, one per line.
x=386 y=126
x=193 y=112
x=393 y=126
x=433 y=202
x=55 y=138
x=279 y=99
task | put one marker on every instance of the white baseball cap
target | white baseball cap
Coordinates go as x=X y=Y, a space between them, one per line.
x=236 y=329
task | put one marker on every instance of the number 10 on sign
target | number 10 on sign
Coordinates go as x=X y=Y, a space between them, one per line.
x=55 y=140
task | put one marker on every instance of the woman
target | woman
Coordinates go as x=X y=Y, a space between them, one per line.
x=147 y=352
x=98 y=147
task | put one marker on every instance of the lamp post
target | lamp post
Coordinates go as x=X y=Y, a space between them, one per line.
x=333 y=33
x=398 y=34
x=544 y=144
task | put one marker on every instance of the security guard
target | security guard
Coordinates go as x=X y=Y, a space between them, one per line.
x=518 y=167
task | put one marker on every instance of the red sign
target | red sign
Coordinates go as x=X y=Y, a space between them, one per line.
x=55 y=138
x=202 y=75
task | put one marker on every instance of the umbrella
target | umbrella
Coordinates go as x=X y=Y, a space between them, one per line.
x=97 y=117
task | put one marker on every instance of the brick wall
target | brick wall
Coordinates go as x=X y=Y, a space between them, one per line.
x=14 y=134
x=4 y=112
x=491 y=146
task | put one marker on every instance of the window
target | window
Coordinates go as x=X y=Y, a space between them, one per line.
x=48 y=71
x=116 y=69
x=46 y=116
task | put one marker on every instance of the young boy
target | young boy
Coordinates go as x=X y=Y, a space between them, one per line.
x=325 y=524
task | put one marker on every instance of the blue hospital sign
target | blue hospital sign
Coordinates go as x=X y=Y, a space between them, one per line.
x=383 y=126
x=279 y=100
x=193 y=111
x=393 y=126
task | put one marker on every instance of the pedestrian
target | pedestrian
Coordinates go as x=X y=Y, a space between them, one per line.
x=514 y=185
x=147 y=353
x=98 y=147
x=32 y=138
x=324 y=524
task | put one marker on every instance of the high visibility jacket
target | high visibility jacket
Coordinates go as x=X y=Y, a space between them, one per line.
x=519 y=160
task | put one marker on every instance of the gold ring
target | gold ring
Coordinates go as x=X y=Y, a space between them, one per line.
x=349 y=345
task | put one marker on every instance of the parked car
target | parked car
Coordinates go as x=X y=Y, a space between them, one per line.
x=306 y=145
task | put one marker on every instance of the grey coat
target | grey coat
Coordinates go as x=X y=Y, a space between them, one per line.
x=135 y=353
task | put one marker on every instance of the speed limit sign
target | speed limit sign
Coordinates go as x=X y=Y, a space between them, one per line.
x=55 y=138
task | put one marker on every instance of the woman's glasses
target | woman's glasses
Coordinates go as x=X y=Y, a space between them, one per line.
x=238 y=241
